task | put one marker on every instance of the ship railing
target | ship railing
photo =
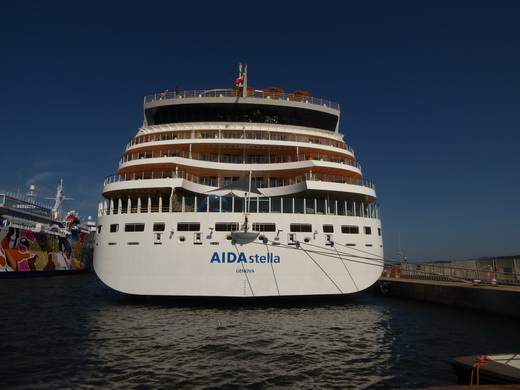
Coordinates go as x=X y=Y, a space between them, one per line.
x=233 y=204
x=237 y=159
x=252 y=93
x=235 y=134
x=19 y=201
x=217 y=182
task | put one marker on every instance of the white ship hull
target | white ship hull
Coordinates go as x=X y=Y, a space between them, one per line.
x=218 y=265
x=238 y=193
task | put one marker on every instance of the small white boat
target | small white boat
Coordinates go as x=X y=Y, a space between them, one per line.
x=488 y=369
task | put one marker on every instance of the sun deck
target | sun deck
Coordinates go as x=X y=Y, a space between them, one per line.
x=269 y=93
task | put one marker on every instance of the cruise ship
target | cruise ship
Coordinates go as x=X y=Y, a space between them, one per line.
x=37 y=239
x=238 y=192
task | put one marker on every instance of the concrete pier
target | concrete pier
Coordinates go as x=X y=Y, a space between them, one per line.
x=486 y=298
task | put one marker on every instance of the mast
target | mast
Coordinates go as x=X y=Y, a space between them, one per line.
x=58 y=200
x=244 y=87
x=242 y=78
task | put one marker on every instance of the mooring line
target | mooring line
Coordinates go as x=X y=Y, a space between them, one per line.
x=344 y=265
x=298 y=245
x=265 y=241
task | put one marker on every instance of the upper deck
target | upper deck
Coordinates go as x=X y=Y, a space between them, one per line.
x=229 y=106
x=268 y=94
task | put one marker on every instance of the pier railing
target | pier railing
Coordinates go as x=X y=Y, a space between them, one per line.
x=501 y=270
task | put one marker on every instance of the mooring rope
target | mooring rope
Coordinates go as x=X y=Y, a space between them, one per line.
x=265 y=240
x=298 y=245
x=344 y=265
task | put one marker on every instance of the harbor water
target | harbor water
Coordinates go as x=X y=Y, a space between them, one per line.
x=74 y=332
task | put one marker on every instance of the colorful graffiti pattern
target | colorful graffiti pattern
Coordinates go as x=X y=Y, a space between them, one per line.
x=24 y=250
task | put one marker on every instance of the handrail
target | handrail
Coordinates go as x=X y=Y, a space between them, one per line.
x=235 y=134
x=238 y=159
x=203 y=203
x=259 y=94
x=275 y=182
x=22 y=198
x=505 y=270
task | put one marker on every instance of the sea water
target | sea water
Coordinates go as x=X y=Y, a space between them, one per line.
x=74 y=332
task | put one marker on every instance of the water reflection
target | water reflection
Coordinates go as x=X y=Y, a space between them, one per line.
x=75 y=332
x=336 y=345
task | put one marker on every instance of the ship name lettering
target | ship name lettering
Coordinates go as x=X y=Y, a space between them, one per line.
x=232 y=257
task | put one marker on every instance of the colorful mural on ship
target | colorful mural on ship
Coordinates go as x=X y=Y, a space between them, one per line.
x=24 y=250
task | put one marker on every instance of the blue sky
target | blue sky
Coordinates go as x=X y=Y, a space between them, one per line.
x=429 y=92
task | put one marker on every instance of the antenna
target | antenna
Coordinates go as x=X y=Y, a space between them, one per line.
x=56 y=210
x=32 y=194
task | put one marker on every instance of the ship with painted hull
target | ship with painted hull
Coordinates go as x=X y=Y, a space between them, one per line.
x=238 y=192
x=39 y=240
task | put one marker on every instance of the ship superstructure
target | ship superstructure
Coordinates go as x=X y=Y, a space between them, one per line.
x=238 y=192
x=38 y=239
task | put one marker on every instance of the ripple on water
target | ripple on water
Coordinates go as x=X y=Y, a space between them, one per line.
x=74 y=332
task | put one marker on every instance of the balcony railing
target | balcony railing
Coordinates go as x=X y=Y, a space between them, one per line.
x=235 y=134
x=222 y=204
x=236 y=159
x=218 y=182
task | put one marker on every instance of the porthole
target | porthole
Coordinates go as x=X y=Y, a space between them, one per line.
x=181 y=239
x=307 y=239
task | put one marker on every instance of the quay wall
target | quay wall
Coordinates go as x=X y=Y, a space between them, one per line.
x=492 y=299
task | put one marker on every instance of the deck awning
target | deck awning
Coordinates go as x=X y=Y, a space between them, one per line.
x=240 y=188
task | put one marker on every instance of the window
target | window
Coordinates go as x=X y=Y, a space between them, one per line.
x=368 y=230
x=274 y=182
x=114 y=228
x=378 y=231
x=134 y=227
x=229 y=112
x=158 y=227
x=99 y=229
x=349 y=229
x=226 y=226
x=229 y=179
x=328 y=228
x=209 y=135
x=301 y=227
x=209 y=180
x=188 y=226
x=264 y=227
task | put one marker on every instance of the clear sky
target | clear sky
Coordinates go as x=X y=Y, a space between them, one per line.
x=429 y=93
